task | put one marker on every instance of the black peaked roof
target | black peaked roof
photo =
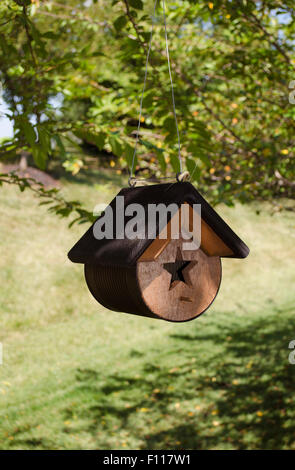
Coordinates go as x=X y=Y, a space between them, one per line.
x=125 y=252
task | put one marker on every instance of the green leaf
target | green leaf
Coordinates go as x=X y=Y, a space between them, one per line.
x=60 y=146
x=40 y=156
x=91 y=138
x=174 y=162
x=116 y=146
x=132 y=45
x=50 y=35
x=99 y=140
x=128 y=152
x=43 y=139
x=151 y=146
x=197 y=149
x=193 y=169
x=23 y=2
x=137 y=4
x=161 y=160
x=120 y=22
x=169 y=125
x=203 y=156
x=29 y=132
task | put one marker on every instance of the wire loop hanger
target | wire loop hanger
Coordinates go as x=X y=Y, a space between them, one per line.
x=144 y=87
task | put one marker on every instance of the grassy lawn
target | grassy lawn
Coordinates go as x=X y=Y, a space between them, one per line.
x=76 y=376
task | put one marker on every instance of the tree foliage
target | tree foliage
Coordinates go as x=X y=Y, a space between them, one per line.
x=232 y=63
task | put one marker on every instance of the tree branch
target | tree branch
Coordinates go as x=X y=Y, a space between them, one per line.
x=29 y=37
x=256 y=22
x=135 y=26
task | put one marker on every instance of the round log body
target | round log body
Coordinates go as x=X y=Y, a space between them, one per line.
x=178 y=285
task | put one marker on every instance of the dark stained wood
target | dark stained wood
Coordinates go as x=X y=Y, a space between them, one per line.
x=126 y=252
x=159 y=278
x=146 y=288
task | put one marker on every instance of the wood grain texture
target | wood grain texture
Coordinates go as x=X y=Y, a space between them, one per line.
x=210 y=242
x=146 y=289
x=179 y=301
x=116 y=288
x=146 y=277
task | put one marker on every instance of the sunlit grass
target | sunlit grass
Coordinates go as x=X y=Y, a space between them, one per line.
x=75 y=375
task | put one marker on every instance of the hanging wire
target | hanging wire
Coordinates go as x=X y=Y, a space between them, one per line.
x=143 y=89
x=144 y=86
x=172 y=87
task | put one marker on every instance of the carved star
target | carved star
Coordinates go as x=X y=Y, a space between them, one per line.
x=176 y=269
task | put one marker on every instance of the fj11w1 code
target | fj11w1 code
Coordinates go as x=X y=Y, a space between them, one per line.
x=168 y=459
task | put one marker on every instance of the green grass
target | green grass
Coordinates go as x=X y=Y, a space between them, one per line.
x=76 y=376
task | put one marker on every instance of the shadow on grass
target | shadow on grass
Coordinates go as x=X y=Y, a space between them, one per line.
x=222 y=386
x=241 y=396
x=18 y=440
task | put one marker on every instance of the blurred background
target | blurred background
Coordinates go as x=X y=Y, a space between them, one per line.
x=74 y=375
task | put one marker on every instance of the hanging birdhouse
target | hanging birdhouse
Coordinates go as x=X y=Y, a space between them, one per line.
x=169 y=275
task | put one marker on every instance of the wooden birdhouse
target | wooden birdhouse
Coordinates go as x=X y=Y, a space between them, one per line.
x=161 y=276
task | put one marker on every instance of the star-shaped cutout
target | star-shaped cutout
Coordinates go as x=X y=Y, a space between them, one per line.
x=176 y=269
